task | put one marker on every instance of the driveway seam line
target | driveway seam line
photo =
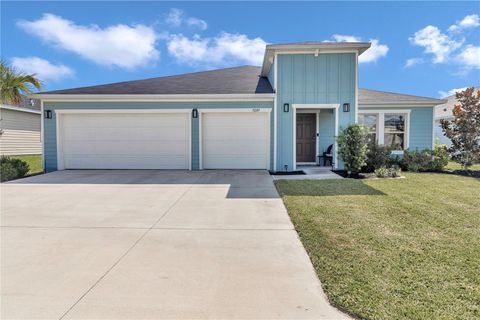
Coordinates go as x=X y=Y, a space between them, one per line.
x=122 y=256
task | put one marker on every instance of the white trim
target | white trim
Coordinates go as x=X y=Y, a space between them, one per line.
x=396 y=105
x=407 y=111
x=433 y=128
x=275 y=112
x=356 y=88
x=42 y=134
x=380 y=133
x=60 y=112
x=234 y=110
x=60 y=163
x=154 y=97
x=319 y=106
x=200 y=141
x=21 y=109
x=237 y=110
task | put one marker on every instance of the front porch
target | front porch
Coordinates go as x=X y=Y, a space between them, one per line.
x=311 y=173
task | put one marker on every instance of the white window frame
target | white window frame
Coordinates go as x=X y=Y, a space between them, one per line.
x=380 y=133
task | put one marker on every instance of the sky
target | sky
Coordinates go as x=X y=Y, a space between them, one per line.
x=421 y=48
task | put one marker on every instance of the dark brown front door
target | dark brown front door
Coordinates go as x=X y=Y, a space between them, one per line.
x=306 y=137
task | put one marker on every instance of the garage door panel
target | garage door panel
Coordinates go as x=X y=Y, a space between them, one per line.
x=126 y=141
x=234 y=140
x=126 y=162
x=125 y=147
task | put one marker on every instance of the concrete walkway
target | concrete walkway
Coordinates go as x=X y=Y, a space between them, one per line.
x=311 y=173
x=112 y=244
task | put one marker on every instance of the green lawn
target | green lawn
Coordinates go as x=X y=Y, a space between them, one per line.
x=34 y=162
x=456 y=166
x=393 y=249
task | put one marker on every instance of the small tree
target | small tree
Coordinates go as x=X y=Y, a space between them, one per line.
x=352 y=147
x=14 y=83
x=464 y=129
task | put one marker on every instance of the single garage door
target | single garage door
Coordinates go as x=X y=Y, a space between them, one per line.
x=235 y=140
x=124 y=141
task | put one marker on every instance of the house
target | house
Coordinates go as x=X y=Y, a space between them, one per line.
x=20 y=128
x=444 y=111
x=278 y=116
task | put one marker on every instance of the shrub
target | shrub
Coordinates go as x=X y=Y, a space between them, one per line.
x=352 y=147
x=440 y=157
x=392 y=172
x=417 y=160
x=378 y=156
x=12 y=168
x=381 y=172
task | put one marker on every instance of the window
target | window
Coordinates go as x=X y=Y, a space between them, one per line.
x=387 y=127
x=369 y=121
x=394 y=131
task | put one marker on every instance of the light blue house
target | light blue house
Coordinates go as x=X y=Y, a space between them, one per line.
x=280 y=116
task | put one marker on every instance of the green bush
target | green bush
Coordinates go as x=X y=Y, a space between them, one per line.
x=426 y=160
x=381 y=172
x=384 y=172
x=440 y=157
x=12 y=168
x=417 y=160
x=352 y=147
x=378 y=156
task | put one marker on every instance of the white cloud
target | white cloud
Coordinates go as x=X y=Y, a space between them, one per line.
x=222 y=50
x=470 y=57
x=45 y=70
x=435 y=42
x=195 y=22
x=375 y=52
x=470 y=21
x=413 y=61
x=177 y=17
x=119 y=45
x=444 y=94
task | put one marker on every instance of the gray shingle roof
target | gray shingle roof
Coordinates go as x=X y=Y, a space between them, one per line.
x=445 y=110
x=367 y=96
x=238 y=80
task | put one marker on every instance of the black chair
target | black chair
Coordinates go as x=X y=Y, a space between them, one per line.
x=328 y=156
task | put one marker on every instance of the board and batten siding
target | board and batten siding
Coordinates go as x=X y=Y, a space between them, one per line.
x=50 y=130
x=20 y=132
x=421 y=125
x=328 y=78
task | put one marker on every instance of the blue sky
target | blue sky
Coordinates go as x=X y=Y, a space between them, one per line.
x=422 y=48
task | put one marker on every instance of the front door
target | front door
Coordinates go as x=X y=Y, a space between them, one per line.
x=306 y=137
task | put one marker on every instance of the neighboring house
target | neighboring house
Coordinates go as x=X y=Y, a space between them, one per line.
x=444 y=111
x=275 y=117
x=20 y=128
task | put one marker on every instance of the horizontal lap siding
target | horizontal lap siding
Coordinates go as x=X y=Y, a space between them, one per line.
x=304 y=78
x=21 y=133
x=50 y=124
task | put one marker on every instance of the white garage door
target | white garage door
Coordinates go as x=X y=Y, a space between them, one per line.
x=124 y=141
x=232 y=140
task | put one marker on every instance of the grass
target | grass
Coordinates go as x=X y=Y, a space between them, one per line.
x=393 y=249
x=34 y=162
x=457 y=166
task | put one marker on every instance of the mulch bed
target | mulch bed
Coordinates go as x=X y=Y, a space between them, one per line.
x=465 y=173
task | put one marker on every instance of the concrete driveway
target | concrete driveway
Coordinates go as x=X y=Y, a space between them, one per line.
x=153 y=244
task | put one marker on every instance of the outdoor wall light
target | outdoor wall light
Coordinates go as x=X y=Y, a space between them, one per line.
x=346 y=107
x=286 y=107
x=48 y=114
x=195 y=113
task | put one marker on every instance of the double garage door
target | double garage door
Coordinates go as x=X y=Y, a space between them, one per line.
x=227 y=140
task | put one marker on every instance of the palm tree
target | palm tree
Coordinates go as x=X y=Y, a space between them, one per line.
x=14 y=84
